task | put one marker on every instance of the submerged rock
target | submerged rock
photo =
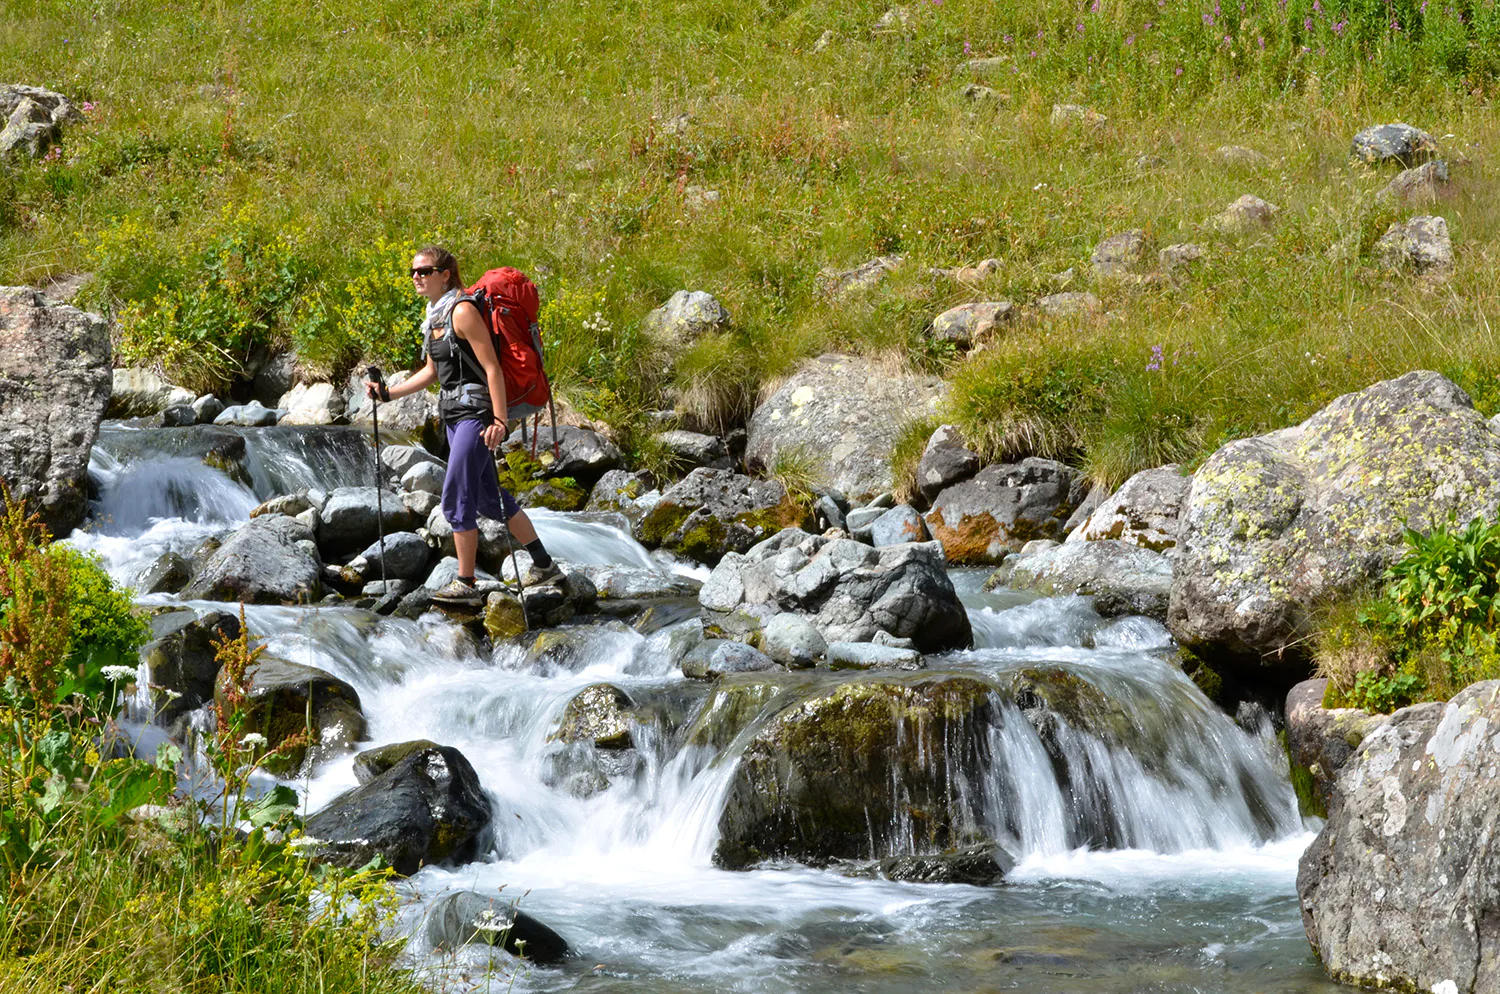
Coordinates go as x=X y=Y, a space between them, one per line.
x=1124 y=578
x=979 y=865
x=428 y=807
x=457 y=919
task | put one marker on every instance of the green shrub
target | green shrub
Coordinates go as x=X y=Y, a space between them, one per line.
x=372 y=314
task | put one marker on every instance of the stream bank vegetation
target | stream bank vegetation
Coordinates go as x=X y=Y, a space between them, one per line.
x=254 y=177
x=109 y=878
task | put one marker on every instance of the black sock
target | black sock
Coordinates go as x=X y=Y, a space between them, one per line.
x=466 y=580
x=538 y=554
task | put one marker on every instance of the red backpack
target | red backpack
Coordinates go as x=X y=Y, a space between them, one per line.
x=507 y=300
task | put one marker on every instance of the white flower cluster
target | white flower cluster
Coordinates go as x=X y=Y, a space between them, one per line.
x=115 y=674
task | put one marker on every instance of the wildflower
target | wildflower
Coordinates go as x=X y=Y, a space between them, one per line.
x=88 y=106
x=1153 y=365
x=1094 y=7
x=1307 y=23
x=115 y=674
x=1006 y=39
x=967 y=49
x=1208 y=19
x=1129 y=40
x=1177 y=71
x=1033 y=53
x=1079 y=25
x=252 y=740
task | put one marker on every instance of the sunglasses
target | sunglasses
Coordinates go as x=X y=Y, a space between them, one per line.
x=424 y=270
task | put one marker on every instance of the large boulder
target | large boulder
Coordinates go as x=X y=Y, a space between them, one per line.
x=1400 y=143
x=1145 y=511
x=1277 y=523
x=54 y=388
x=353 y=517
x=849 y=591
x=945 y=461
x=580 y=453
x=428 y=807
x=1004 y=507
x=182 y=659
x=138 y=393
x=714 y=511
x=33 y=120
x=1321 y=740
x=868 y=770
x=1123 y=577
x=312 y=404
x=286 y=700
x=1401 y=889
x=843 y=414
x=686 y=316
x=270 y=560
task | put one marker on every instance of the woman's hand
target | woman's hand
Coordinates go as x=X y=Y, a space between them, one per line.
x=493 y=435
x=377 y=391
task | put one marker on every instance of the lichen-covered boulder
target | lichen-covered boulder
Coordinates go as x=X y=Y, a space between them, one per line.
x=1123 y=577
x=1145 y=511
x=1004 y=507
x=714 y=511
x=1277 y=523
x=1401 y=889
x=685 y=317
x=1321 y=740
x=270 y=560
x=1419 y=245
x=1121 y=255
x=54 y=388
x=871 y=769
x=427 y=808
x=843 y=414
x=848 y=590
x=1397 y=142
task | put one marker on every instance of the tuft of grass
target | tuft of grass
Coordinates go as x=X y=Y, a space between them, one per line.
x=800 y=472
x=906 y=454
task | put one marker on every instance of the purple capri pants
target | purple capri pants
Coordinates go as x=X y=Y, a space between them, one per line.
x=470 y=488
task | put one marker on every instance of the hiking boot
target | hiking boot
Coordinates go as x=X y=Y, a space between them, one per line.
x=457 y=592
x=536 y=576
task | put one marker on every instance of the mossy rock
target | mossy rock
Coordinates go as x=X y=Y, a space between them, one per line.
x=287 y=699
x=372 y=762
x=737 y=700
x=504 y=618
x=599 y=714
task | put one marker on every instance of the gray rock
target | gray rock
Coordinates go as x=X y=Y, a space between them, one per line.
x=968 y=324
x=350 y=520
x=415 y=414
x=1420 y=245
x=167 y=574
x=446 y=571
x=1247 y=215
x=424 y=477
x=1069 y=304
x=1124 y=578
x=494 y=543
x=288 y=504
x=984 y=66
x=54 y=388
x=1097 y=495
x=1393 y=143
x=600 y=715
x=34 y=118
x=262 y=563
x=181 y=659
x=1420 y=185
x=402 y=459
x=180 y=416
x=828 y=512
x=427 y=808
x=1145 y=511
x=699 y=198
x=945 y=461
x=844 y=413
x=793 y=641
x=140 y=393
x=1241 y=157
x=618 y=490
x=685 y=317
x=250 y=415
x=207 y=408
x=276 y=377
x=1281 y=521
x=897 y=526
x=1069 y=114
x=1004 y=507
x=713 y=658
x=694 y=449
x=406 y=558
x=1180 y=258
x=582 y=454
x=860 y=520
x=466 y=917
x=871 y=656
x=634 y=584
x=312 y=404
x=714 y=511
x=1322 y=740
x=837 y=283
x=1120 y=255
x=1398 y=891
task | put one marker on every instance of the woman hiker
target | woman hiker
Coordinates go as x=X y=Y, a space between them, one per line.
x=458 y=348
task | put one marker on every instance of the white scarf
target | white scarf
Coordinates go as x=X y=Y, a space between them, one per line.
x=437 y=310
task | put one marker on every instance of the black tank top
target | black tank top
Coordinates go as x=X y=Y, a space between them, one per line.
x=463 y=394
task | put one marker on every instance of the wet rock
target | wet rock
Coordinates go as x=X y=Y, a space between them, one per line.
x=618 y=490
x=1399 y=890
x=968 y=324
x=1246 y=216
x=636 y=583
x=581 y=454
x=1420 y=185
x=868 y=770
x=1004 y=507
x=288 y=504
x=1123 y=577
x=457 y=919
x=353 y=517
x=1120 y=255
x=897 y=526
x=206 y=408
x=1419 y=245
x=54 y=388
x=841 y=282
x=371 y=763
x=312 y=404
x=405 y=558
x=1176 y=260
x=1281 y=521
x=494 y=542
x=251 y=415
x=717 y=657
x=1398 y=142
x=1322 y=740
x=714 y=511
x=871 y=656
x=980 y=865
x=843 y=413
x=427 y=808
x=793 y=641
x=267 y=561
x=598 y=714
x=181 y=658
x=282 y=697
x=1069 y=304
x=686 y=316
x=276 y=377
x=180 y=416
x=693 y=449
x=945 y=461
x=167 y=574
x=1145 y=511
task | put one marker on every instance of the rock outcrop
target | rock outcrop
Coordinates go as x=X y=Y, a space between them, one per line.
x=1321 y=740
x=54 y=388
x=33 y=118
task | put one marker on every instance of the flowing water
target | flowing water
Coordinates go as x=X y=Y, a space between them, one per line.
x=1159 y=854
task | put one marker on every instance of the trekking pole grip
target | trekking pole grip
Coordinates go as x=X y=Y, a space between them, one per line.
x=374 y=375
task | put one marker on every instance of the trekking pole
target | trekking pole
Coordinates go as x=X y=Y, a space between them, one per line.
x=511 y=544
x=373 y=374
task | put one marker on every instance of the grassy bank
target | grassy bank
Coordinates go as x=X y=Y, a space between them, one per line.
x=260 y=171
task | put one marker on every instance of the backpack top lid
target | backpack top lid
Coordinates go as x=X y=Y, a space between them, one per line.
x=509 y=288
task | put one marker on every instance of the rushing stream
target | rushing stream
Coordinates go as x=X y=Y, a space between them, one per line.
x=1164 y=865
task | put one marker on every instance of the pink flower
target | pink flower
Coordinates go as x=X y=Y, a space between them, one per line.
x=88 y=106
x=1177 y=71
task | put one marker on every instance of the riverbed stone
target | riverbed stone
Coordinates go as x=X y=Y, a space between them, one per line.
x=583 y=454
x=251 y=415
x=353 y=517
x=1399 y=143
x=55 y=385
x=897 y=526
x=1418 y=245
x=416 y=414
x=465 y=917
x=714 y=511
x=793 y=641
x=167 y=574
x=427 y=808
x=843 y=414
x=1003 y=507
x=265 y=562
x=424 y=478
x=1278 y=522
x=1399 y=889
x=312 y=404
x=282 y=695
x=1322 y=740
x=140 y=393
x=1145 y=511
x=686 y=316
x=599 y=714
x=872 y=656
x=867 y=770
x=1123 y=577
x=405 y=557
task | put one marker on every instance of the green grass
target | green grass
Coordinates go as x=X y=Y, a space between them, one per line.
x=254 y=172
